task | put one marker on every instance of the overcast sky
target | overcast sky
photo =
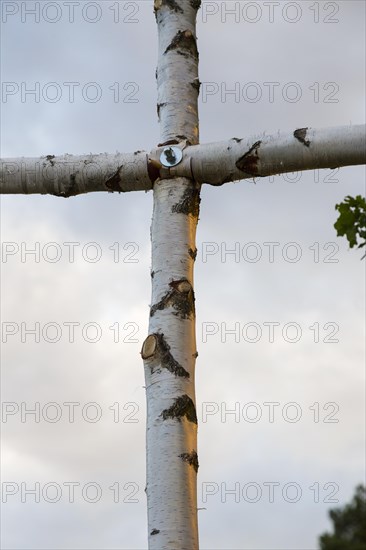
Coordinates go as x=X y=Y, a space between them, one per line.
x=295 y=446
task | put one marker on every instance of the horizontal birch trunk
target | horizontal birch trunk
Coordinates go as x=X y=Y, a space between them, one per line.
x=212 y=163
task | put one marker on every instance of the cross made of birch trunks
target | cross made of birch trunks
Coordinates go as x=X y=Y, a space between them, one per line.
x=175 y=171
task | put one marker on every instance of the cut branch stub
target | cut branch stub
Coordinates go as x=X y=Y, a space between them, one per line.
x=156 y=351
x=181 y=298
x=149 y=347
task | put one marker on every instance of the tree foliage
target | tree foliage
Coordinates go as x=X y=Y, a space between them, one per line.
x=352 y=220
x=349 y=524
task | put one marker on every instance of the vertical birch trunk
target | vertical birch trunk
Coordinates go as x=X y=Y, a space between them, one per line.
x=169 y=351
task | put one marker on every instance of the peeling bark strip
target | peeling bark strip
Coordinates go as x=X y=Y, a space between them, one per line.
x=191 y=458
x=248 y=163
x=156 y=347
x=170 y=141
x=181 y=298
x=300 y=134
x=189 y=204
x=181 y=137
x=183 y=406
x=185 y=44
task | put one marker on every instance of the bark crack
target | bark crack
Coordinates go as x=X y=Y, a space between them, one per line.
x=181 y=298
x=183 y=406
x=300 y=134
x=191 y=458
x=248 y=163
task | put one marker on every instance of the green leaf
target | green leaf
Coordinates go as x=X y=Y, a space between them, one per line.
x=351 y=221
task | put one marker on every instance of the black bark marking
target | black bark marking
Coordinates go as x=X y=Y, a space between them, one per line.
x=195 y=355
x=192 y=253
x=189 y=204
x=153 y=169
x=158 y=107
x=152 y=274
x=137 y=152
x=248 y=163
x=181 y=298
x=238 y=140
x=113 y=183
x=183 y=406
x=167 y=360
x=154 y=532
x=173 y=5
x=196 y=84
x=71 y=190
x=196 y=4
x=50 y=159
x=300 y=134
x=184 y=43
x=191 y=458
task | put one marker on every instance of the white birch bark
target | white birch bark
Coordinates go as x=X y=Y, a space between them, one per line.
x=261 y=155
x=69 y=175
x=169 y=352
x=211 y=163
